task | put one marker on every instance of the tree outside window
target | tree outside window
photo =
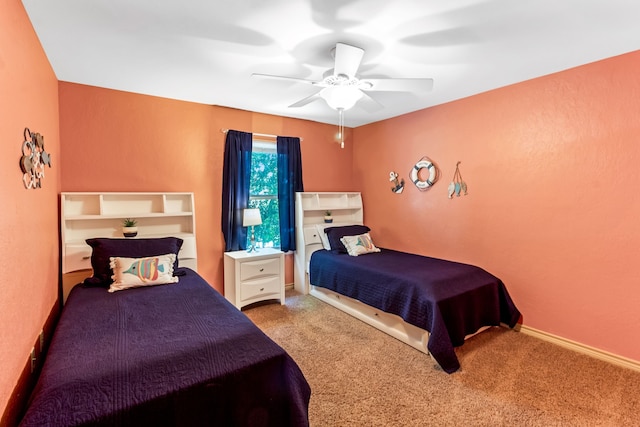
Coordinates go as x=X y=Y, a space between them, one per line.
x=263 y=194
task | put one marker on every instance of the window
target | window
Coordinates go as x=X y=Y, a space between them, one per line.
x=263 y=194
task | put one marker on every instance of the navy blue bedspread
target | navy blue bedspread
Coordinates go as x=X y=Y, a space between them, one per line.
x=169 y=355
x=448 y=299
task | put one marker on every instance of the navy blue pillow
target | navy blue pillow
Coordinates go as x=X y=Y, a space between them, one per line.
x=104 y=248
x=334 y=234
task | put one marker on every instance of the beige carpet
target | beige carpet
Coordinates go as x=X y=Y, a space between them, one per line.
x=360 y=376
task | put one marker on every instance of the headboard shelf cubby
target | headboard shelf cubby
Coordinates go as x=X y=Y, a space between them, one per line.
x=345 y=207
x=95 y=214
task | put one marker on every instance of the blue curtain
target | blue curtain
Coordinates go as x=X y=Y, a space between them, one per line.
x=289 y=182
x=236 y=177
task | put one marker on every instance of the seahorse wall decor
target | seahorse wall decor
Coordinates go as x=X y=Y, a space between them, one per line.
x=33 y=160
x=457 y=185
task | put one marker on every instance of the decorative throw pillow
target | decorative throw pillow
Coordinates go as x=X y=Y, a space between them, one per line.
x=105 y=248
x=136 y=272
x=359 y=245
x=334 y=234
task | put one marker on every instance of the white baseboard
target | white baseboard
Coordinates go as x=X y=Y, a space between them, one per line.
x=581 y=348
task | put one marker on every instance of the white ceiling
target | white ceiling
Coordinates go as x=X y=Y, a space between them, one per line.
x=206 y=50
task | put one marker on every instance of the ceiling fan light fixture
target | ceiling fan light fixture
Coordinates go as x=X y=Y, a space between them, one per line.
x=341 y=97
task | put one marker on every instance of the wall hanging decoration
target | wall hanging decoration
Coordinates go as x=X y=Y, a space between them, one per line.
x=398 y=184
x=33 y=160
x=457 y=185
x=424 y=184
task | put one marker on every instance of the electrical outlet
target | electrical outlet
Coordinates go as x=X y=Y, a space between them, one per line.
x=33 y=359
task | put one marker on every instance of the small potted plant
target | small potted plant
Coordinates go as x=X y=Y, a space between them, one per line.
x=129 y=227
x=327 y=217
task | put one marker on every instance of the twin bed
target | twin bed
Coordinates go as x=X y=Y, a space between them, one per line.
x=428 y=303
x=161 y=354
x=449 y=300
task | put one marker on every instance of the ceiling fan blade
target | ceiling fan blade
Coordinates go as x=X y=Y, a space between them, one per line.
x=398 y=85
x=291 y=79
x=305 y=101
x=347 y=59
x=369 y=104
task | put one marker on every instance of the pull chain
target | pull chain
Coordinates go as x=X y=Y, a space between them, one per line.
x=341 y=126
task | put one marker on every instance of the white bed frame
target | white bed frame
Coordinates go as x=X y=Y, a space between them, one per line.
x=386 y=322
x=346 y=209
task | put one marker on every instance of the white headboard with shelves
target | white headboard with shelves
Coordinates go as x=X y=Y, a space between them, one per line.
x=88 y=215
x=346 y=208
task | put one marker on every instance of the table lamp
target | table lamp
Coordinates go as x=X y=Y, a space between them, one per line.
x=251 y=217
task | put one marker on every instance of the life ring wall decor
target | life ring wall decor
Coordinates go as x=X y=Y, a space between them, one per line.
x=424 y=184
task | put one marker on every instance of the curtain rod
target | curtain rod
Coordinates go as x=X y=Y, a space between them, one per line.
x=266 y=135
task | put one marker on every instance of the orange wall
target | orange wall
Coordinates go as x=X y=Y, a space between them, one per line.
x=29 y=221
x=119 y=141
x=552 y=166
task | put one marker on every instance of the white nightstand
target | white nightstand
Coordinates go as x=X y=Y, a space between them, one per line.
x=253 y=276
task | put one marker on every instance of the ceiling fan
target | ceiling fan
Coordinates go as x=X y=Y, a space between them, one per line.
x=342 y=88
x=351 y=87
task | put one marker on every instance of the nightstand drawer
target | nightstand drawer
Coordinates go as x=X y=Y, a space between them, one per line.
x=255 y=269
x=260 y=288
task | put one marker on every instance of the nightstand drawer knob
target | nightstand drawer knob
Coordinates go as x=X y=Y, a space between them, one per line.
x=261 y=270
x=261 y=289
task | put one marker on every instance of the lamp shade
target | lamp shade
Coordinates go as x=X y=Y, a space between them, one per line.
x=251 y=217
x=341 y=97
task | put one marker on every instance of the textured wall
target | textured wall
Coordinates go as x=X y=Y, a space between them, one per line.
x=28 y=218
x=119 y=141
x=552 y=168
